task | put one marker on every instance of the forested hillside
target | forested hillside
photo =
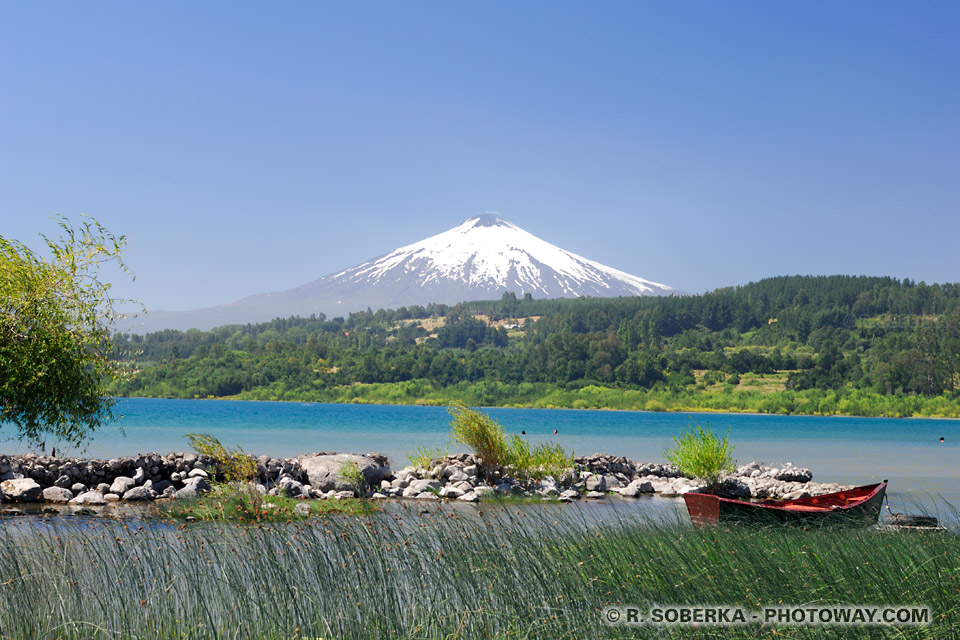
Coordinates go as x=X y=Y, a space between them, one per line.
x=802 y=344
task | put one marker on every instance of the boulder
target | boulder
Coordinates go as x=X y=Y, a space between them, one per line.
x=21 y=490
x=736 y=488
x=596 y=483
x=323 y=470
x=470 y=496
x=302 y=509
x=89 y=498
x=193 y=489
x=570 y=494
x=139 y=476
x=121 y=485
x=596 y=495
x=139 y=493
x=419 y=486
x=290 y=487
x=57 y=494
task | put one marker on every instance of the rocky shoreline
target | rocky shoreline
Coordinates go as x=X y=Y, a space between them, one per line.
x=30 y=478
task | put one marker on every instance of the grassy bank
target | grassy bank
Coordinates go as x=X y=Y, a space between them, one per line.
x=450 y=573
x=749 y=397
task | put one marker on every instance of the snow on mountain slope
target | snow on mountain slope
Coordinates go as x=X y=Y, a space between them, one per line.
x=489 y=254
x=481 y=258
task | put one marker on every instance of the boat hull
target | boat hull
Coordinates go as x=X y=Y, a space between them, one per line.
x=859 y=506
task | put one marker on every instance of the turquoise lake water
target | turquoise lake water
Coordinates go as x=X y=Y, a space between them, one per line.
x=837 y=449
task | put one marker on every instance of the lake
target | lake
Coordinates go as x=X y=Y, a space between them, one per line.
x=848 y=450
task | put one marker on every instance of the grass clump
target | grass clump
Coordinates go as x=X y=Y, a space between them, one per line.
x=425 y=458
x=233 y=465
x=544 y=459
x=481 y=433
x=353 y=477
x=224 y=504
x=490 y=443
x=700 y=453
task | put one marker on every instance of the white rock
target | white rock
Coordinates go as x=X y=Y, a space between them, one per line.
x=89 y=498
x=21 y=490
x=121 y=485
x=57 y=494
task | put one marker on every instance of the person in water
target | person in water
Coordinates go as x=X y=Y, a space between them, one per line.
x=941 y=439
x=554 y=432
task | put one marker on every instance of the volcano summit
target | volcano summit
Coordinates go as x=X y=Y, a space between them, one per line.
x=480 y=259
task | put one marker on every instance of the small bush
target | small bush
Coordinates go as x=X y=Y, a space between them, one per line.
x=700 y=453
x=481 y=433
x=546 y=459
x=234 y=465
x=426 y=457
x=486 y=437
x=237 y=468
x=655 y=405
x=352 y=475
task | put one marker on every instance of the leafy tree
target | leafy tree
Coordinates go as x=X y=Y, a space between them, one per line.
x=56 y=319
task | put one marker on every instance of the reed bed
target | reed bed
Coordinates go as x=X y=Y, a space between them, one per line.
x=451 y=572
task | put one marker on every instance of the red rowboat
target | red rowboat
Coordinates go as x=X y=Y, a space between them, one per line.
x=859 y=506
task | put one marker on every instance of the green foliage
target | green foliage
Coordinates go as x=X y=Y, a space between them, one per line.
x=226 y=504
x=56 y=318
x=489 y=442
x=544 y=459
x=353 y=477
x=536 y=578
x=427 y=457
x=481 y=433
x=234 y=465
x=881 y=346
x=700 y=453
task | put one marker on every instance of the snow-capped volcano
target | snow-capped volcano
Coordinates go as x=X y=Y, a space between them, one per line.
x=482 y=258
x=486 y=256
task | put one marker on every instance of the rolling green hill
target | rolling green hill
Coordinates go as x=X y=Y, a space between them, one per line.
x=798 y=344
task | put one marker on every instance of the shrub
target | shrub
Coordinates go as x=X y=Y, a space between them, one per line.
x=352 y=475
x=545 y=459
x=481 y=433
x=426 y=457
x=700 y=453
x=486 y=437
x=234 y=465
x=655 y=405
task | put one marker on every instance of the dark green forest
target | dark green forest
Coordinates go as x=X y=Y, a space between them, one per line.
x=799 y=344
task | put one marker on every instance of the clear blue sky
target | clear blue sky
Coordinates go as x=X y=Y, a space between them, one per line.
x=250 y=147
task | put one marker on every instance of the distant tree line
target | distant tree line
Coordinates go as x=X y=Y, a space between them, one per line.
x=876 y=335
